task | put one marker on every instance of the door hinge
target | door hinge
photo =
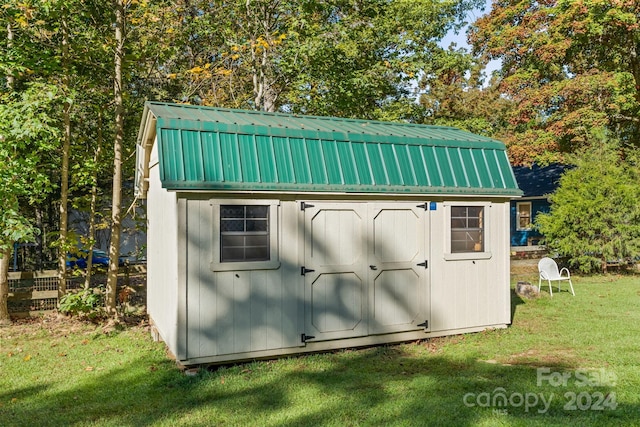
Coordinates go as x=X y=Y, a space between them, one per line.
x=424 y=206
x=304 y=270
x=424 y=264
x=304 y=206
x=425 y=324
x=305 y=337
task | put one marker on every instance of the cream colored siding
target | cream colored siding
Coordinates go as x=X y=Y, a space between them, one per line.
x=243 y=310
x=162 y=261
x=472 y=290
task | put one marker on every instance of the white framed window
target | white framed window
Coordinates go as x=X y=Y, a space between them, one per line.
x=523 y=216
x=245 y=235
x=467 y=231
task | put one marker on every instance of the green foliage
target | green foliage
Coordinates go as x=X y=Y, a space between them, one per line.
x=595 y=215
x=28 y=131
x=455 y=95
x=341 y=58
x=85 y=302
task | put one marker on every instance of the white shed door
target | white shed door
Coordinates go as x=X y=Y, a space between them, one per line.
x=335 y=280
x=397 y=267
x=364 y=269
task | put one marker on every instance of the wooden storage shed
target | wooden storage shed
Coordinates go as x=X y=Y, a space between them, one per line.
x=273 y=234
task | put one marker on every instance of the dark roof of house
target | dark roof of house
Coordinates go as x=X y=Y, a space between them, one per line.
x=538 y=181
x=203 y=148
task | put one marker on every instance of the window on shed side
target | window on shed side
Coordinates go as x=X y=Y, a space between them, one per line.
x=244 y=233
x=467 y=229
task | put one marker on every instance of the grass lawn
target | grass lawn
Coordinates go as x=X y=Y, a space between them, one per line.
x=564 y=361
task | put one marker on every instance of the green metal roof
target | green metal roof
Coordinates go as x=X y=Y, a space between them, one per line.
x=202 y=148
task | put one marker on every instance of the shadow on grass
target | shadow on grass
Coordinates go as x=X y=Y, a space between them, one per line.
x=376 y=386
x=515 y=302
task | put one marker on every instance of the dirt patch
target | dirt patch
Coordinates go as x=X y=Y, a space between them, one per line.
x=534 y=357
x=56 y=326
x=524 y=266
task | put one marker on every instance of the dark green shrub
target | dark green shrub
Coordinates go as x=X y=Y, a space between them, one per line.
x=595 y=213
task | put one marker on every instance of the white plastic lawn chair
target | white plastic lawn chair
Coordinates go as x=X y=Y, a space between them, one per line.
x=548 y=270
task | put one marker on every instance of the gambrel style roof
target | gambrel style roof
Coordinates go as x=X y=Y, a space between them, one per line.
x=203 y=148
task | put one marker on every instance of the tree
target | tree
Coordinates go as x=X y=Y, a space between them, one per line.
x=595 y=216
x=66 y=147
x=361 y=59
x=56 y=47
x=348 y=58
x=28 y=136
x=90 y=81
x=455 y=94
x=116 y=225
x=569 y=66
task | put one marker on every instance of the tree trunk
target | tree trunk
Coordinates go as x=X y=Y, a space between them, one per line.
x=92 y=209
x=64 y=199
x=92 y=231
x=64 y=174
x=5 y=255
x=114 y=247
x=10 y=78
x=4 y=287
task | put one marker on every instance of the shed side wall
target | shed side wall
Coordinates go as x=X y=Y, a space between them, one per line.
x=473 y=291
x=238 y=311
x=262 y=311
x=162 y=259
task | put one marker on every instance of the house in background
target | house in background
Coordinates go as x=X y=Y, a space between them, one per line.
x=536 y=183
x=273 y=234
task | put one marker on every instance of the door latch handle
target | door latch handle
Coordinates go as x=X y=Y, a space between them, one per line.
x=304 y=270
x=373 y=267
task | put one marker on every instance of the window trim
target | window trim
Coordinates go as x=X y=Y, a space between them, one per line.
x=454 y=256
x=274 y=233
x=518 y=227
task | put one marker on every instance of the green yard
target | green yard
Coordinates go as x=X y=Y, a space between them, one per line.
x=564 y=361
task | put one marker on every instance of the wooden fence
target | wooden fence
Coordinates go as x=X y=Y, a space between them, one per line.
x=34 y=292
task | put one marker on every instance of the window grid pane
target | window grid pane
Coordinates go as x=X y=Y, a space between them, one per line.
x=524 y=216
x=257 y=211
x=244 y=233
x=232 y=225
x=467 y=229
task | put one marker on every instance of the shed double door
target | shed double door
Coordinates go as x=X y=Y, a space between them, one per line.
x=365 y=269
